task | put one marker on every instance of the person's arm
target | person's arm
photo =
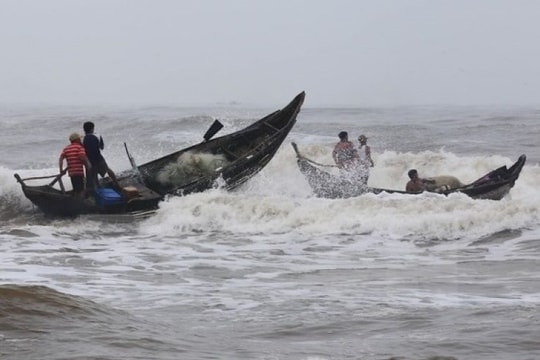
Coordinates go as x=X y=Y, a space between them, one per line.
x=87 y=163
x=61 y=163
x=428 y=184
x=101 y=143
x=84 y=158
x=355 y=153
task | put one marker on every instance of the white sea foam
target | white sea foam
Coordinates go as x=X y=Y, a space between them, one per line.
x=278 y=200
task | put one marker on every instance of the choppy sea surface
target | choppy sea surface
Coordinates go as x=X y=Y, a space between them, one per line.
x=269 y=271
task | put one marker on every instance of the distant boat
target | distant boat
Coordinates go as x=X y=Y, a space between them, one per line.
x=226 y=161
x=494 y=186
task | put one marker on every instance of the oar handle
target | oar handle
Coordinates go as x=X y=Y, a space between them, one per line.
x=214 y=128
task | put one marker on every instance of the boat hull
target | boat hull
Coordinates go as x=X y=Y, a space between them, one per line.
x=58 y=203
x=241 y=155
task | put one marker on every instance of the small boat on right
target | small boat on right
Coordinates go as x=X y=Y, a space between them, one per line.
x=494 y=185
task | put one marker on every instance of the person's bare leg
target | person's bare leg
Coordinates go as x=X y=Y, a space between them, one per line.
x=112 y=175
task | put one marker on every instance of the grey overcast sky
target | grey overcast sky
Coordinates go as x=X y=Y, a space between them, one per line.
x=341 y=52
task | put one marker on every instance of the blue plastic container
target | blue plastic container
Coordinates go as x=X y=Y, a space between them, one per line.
x=106 y=196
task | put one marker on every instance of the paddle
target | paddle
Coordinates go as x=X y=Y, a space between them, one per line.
x=133 y=164
x=131 y=159
x=295 y=147
x=214 y=128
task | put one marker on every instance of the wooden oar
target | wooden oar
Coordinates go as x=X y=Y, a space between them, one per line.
x=295 y=147
x=131 y=159
x=133 y=164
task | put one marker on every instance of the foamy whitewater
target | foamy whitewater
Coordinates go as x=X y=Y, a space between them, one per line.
x=269 y=271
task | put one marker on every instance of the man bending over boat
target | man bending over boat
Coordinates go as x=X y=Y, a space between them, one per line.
x=93 y=146
x=76 y=159
x=415 y=183
x=438 y=184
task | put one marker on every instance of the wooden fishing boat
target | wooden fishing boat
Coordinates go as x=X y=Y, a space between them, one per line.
x=228 y=160
x=134 y=198
x=494 y=185
x=231 y=159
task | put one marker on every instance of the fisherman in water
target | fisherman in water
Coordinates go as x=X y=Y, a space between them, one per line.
x=346 y=158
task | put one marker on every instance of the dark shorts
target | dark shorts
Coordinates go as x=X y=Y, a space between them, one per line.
x=101 y=168
x=78 y=183
x=92 y=178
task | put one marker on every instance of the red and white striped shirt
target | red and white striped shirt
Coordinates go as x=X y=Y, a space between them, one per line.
x=74 y=154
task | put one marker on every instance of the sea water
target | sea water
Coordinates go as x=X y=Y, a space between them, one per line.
x=269 y=271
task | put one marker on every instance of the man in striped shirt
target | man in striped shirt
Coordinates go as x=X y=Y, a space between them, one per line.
x=76 y=159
